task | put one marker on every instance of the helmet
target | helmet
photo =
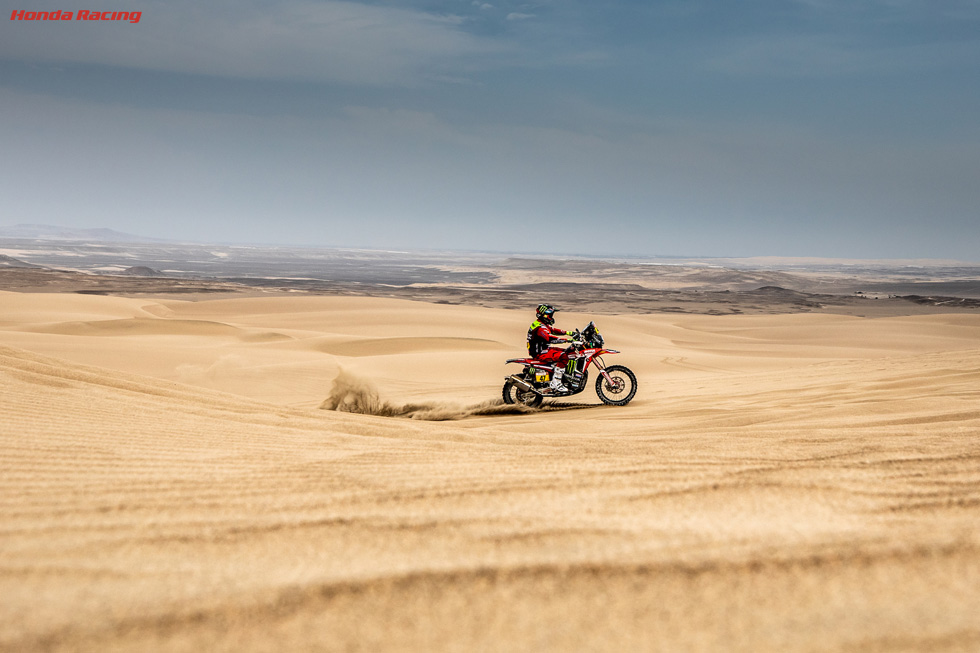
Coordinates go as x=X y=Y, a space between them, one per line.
x=546 y=314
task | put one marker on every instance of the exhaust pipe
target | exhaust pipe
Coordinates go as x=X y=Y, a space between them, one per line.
x=522 y=384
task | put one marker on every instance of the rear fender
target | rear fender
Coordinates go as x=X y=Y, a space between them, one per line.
x=530 y=362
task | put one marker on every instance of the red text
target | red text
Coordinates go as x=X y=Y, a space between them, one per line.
x=84 y=14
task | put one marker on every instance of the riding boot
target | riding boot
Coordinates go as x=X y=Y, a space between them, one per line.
x=556 y=384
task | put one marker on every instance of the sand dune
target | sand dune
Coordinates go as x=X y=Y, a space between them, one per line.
x=781 y=483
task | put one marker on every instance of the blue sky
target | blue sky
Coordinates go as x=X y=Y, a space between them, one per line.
x=757 y=128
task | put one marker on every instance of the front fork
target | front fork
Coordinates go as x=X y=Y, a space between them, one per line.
x=603 y=372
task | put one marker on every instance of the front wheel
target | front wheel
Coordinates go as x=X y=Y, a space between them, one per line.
x=622 y=389
x=514 y=395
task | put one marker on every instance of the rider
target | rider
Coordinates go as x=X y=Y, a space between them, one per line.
x=542 y=333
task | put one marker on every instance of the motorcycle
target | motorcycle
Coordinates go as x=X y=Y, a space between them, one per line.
x=615 y=384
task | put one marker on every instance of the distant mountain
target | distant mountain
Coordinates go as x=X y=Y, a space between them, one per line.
x=10 y=262
x=51 y=232
x=141 y=271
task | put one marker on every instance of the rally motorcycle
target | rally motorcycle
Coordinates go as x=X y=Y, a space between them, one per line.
x=615 y=384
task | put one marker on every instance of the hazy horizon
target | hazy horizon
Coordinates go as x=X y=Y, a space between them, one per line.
x=801 y=128
x=96 y=236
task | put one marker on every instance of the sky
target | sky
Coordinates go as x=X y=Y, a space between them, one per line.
x=817 y=128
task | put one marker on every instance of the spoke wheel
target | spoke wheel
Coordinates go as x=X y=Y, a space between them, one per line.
x=622 y=388
x=514 y=395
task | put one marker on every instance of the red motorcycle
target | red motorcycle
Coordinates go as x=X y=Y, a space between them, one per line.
x=615 y=384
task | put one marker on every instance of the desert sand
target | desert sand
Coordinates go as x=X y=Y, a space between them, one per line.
x=799 y=482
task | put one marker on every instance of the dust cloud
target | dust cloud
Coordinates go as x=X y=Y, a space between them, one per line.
x=352 y=394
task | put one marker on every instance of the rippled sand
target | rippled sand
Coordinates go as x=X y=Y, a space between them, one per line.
x=781 y=483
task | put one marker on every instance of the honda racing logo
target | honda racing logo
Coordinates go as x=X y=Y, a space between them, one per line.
x=84 y=14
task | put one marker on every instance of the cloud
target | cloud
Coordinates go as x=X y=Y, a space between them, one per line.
x=828 y=55
x=332 y=40
x=518 y=16
x=913 y=12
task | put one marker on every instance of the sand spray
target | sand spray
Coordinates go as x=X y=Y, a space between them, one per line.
x=352 y=394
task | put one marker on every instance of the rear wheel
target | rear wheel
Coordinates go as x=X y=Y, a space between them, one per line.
x=512 y=394
x=622 y=388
